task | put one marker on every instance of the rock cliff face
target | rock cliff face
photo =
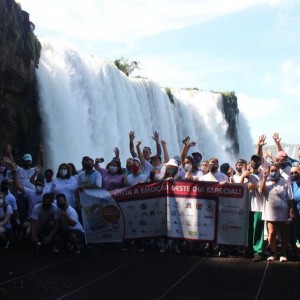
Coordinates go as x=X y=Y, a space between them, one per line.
x=231 y=112
x=19 y=54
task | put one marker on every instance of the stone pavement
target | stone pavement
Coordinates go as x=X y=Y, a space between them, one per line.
x=106 y=272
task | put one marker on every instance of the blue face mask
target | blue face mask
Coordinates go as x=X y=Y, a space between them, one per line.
x=274 y=175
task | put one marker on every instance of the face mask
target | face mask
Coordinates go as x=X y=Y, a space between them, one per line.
x=88 y=165
x=38 y=189
x=171 y=172
x=2 y=169
x=63 y=172
x=274 y=175
x=213 y=169
x=61 y=206
x=239 y=169
x=188 y=167
x=197 y=160
x=1 y=201
x=256 y=165
x=113 y=169
x=295 y=177
x=135 y=169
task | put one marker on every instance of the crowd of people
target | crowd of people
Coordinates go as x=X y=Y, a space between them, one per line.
x=36 y=205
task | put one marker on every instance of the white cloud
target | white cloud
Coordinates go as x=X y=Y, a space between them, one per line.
x=289 y=79
x=121 y=20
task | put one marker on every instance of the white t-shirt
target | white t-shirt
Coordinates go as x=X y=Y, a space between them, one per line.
x=11 y=200
x=47 y=186
x=71 y=212
x=132 y=180
x=33 y=198
x=275 y=206
x=256 y=199
x=43 y=216
x=237 y=178
x=9 y=211
x=147 y=169
x=199 y=174
x=66 y=186
x=24 y=176
x=94 y=178
x=216 y=177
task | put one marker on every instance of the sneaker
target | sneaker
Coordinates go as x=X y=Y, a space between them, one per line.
x=257 y=258
x=271 y=258
x=55 y=249
x=283 y=259
x=77 y=249
x=140 y=248
x=6 y=244
x=177 y=249
x=162 y=246
x=125 y=246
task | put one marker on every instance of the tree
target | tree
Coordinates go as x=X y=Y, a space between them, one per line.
x=126 y=66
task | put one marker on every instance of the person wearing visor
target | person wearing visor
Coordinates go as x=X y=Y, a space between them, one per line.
x=24 y=174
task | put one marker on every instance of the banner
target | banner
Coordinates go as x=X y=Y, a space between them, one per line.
x=102 y=217
x=200 y=211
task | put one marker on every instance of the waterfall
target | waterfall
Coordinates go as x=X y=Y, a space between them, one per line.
x=88 y=107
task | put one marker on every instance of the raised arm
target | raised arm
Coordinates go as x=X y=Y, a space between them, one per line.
x=117 y=154
x=131 y=145
x=156 y=139
x=269 y=154
x=260 y=143
x=140 y=153
x=9 y=155
x=262 y=185
x=36 y=172
x=16 y=182
x=183 y=154
x=277 y=141
x=165 y=151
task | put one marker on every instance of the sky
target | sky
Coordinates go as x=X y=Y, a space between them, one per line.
x=251 y=47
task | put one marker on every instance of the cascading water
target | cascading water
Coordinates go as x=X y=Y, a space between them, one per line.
x=88 y=107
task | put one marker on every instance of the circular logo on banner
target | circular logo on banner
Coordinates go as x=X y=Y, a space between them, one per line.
x=111 y=214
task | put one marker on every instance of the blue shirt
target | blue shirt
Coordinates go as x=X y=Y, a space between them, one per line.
x=296 y=193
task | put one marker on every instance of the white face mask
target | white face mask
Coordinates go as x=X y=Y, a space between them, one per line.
x=38 y=189
x=63 y=172
x=188 y=167
x=113 y=169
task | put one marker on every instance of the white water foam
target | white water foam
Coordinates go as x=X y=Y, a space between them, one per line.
x=88 y=107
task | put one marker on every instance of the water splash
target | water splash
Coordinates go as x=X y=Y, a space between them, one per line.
x=88 y=107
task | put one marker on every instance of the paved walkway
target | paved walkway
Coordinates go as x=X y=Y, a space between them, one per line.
x=105 y=272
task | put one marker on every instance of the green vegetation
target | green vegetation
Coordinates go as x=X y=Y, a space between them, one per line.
x=230 y=98
x=126 y=66
x=191 y=89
